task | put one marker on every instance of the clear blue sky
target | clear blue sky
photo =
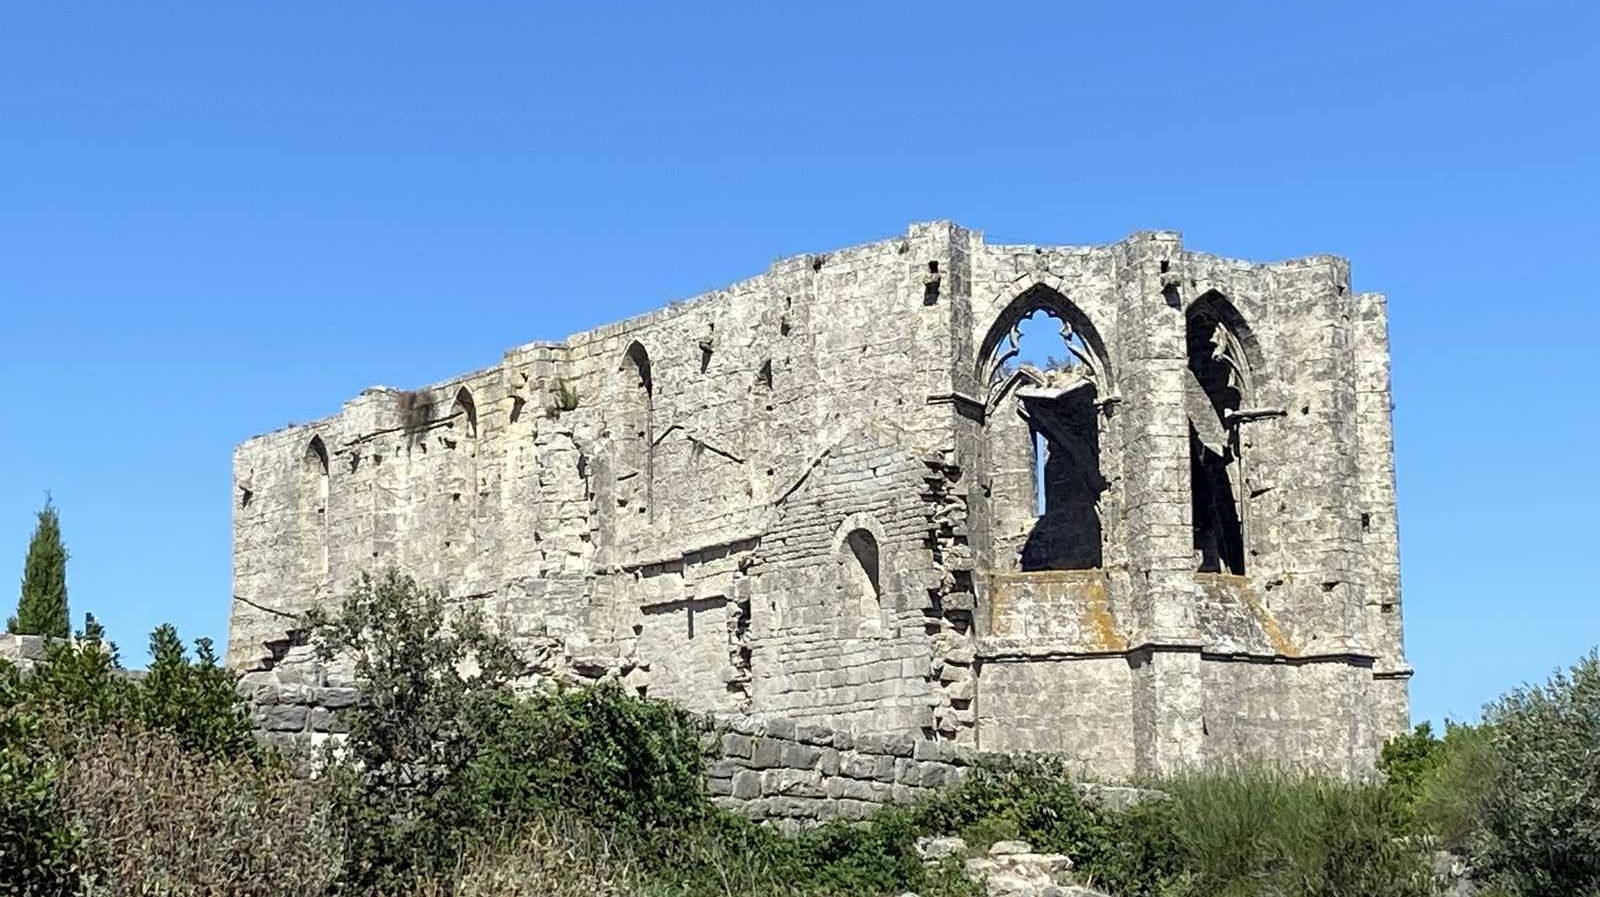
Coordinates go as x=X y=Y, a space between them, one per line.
x=219 y=218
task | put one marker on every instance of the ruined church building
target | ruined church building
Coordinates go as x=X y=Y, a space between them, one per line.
x=837 y=494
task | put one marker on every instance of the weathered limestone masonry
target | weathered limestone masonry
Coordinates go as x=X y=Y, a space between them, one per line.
x=23 y=651
x=834 y=495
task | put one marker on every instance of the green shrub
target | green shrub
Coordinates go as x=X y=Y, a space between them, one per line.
x=427 y=678
x=79 y=684
x=1541 y=820
x=626 y=765
x=1406 y=760
x=1256 y=831
x=1442 y=783
x=443 y=750
x=63 y=706
x=198 y=701
x=37 y=846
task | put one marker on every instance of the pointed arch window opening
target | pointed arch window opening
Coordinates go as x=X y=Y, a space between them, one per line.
x=1045 y=364
x=316 y=471
x=1218 y=396
x=860 y=575
x=466 y=411
x=1029 y=349
x=637 y=368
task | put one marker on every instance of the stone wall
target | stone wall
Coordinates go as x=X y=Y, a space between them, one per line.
x=830 y=494
x=776 y=770
x=23 y=650
x=770 y=770
x=299 y=714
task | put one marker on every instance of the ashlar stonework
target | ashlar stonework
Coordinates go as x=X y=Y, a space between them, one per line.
x=837 y=494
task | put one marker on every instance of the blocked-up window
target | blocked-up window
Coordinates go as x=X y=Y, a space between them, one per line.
x=314 y=490
x=634 y=431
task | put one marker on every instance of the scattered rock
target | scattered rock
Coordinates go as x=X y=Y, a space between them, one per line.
x=1012 y=869
x=937 y=848
x=1455 y=872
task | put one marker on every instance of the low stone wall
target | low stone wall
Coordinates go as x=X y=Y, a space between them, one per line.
x=23 y=650
x=775 y=770
x=770 y=770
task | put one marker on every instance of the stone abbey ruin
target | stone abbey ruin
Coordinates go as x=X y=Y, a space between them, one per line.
x=834 y=495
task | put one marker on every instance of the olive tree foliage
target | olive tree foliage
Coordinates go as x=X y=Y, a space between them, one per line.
x=421 y=670
x=1541 y=820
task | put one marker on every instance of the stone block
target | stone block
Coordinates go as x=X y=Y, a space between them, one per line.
x=282 y=718
x=800 y=756
x=746 y=785
x=335 y=698
x=820 y=736
x=828 y=763
x=768 y=753
x=321 y=719
x=781 y=728
x=737 y=745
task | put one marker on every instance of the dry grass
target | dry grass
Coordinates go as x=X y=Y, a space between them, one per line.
x=548 y=859
x=159 y=820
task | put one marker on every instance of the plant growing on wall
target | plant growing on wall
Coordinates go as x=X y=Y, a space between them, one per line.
x=42 y=607
x=413 y=405
x=563 y=397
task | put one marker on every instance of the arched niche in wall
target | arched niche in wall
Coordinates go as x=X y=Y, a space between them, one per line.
x=1048 y=388
x=458 y=479
x=314 y=492
x=1219 y=397
x=464 y=414
x=634 y=435
x=861 y=596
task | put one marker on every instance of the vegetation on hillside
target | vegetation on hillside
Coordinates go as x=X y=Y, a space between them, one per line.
x=454 y=781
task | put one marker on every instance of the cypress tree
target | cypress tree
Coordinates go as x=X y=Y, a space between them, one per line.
x=42 y=609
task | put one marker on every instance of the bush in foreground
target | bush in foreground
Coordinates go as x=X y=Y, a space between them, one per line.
x=455 y=782
x=159 y=818
x=1540 y=835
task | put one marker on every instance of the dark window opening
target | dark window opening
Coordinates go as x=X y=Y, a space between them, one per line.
x=1043 y=442
x=860 y=574
x=1218 y=534
x=466 y=411
x=1218 y=386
